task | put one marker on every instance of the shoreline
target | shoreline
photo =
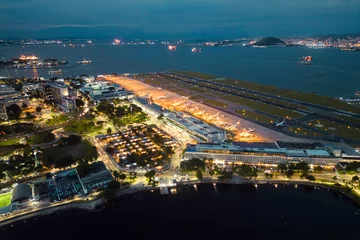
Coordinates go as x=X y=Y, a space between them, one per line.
x=100 y=201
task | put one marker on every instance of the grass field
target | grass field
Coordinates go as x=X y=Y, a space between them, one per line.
x=276 y=91
x=10 y=142
x=303 y=131
x=255 y=116
x=5 y=199
x=262 y=107
x=338 y=129
x=215 y=103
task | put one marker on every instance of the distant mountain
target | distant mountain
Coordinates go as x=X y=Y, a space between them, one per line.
x=337 y=36
x=269 y=41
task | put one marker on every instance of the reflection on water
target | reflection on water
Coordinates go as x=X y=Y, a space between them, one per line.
x=206 y=211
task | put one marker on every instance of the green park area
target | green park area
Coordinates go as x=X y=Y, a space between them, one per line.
x=39 y=138
x=262 y=107
x=5 y=199
x=56 y=120
x=70 y=151
x=338 y=129
x=255 y=116
x=276 y=91
x=10 y=142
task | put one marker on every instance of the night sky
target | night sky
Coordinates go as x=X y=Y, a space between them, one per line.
x=175 y=18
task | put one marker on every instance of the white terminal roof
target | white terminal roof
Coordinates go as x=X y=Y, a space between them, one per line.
x=317 y=153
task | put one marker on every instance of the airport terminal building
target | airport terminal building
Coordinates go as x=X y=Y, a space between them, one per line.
x=201 y=130
x=262 y=153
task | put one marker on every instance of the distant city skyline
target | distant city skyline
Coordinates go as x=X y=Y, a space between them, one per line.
x=176 y=19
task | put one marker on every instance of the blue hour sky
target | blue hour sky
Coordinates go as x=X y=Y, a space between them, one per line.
x=179 y=18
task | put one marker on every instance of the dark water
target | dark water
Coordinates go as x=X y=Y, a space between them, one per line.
x=334 y=73
x=230 y=211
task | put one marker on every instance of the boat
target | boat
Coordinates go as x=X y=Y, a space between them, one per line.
x=54 y=72
x=64 y=62
x=306 y=60
x=196 y=49
x=172 y=47
x=357 y=93
x=85 y=61
x=348 y=49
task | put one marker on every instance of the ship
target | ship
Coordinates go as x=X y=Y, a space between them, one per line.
x=172 y=47
x=306 y=60
x=32 y=57
x=85 y=61
x=54 y=72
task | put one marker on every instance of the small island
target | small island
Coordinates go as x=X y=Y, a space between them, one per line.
x=269 y=41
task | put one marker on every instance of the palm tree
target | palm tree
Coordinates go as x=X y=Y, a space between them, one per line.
x=116 y=175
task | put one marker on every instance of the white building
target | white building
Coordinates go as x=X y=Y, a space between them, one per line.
x=255 y=153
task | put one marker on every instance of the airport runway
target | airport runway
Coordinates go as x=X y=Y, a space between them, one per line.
x=167 y=99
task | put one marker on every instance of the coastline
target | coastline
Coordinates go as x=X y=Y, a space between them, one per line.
x=92 y=205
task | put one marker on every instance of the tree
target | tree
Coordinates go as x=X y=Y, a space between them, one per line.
x=28 y=115
x=355 y=179
x=64 y=162
x=122 y=176
x=38 y=109
x=150 y=175
x=246 y=171
x=84 y=168
x=282 y=167
x=14 y=111
x=318 y=169
x=303 y=167
x=109 y=130
x=289 y=173
x=116 y=175
x=110 y=191
x=199 y=175
x=192 y=164
x=73 y=139
x=79 y=103
x=311 y=178
x=334 y=178
x=268 y=175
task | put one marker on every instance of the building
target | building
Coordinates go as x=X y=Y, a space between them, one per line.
x=56 y=91
x=21 y=193
x=200 y=130
x=259 y=153
x=103 y=90
x=59 y=94
x=100 y=177
x=97 y=180
x=40 y=190
x=8 y=97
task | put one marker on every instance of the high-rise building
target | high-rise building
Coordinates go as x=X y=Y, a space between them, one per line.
x=8 y=97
